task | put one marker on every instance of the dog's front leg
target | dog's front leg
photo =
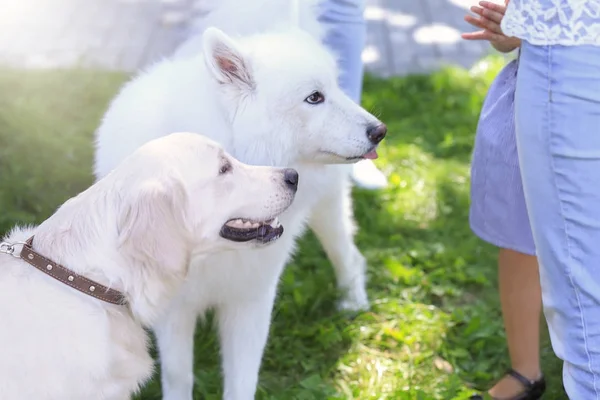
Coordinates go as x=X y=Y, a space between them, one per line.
x=243 y=329
x=175 y=339
x=333 y=223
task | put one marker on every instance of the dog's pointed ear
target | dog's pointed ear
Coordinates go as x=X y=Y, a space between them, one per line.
x=151 y=226
x=225 y=60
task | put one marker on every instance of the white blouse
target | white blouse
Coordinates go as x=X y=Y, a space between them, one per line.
x=551 y=22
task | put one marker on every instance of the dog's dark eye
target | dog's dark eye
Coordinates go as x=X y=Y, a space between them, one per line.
x=225 y=168
x=315 y=98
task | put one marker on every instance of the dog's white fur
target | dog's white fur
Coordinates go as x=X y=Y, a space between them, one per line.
x=247 y=92
x=135 y=230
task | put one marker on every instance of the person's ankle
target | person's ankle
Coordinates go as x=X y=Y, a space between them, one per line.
x=531 y=372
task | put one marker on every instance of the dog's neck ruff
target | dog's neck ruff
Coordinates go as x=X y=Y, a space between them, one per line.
x=63 y=274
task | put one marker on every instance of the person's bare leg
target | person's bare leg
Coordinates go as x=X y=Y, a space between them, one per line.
x=521 y=300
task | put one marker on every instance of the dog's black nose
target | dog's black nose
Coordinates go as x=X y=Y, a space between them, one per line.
x=376 y=133
x=290 y=176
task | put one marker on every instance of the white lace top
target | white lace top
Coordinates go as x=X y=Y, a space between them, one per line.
x=550 y=22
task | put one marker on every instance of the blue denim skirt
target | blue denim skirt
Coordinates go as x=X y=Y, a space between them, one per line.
x=557 y=115
x=498 y=214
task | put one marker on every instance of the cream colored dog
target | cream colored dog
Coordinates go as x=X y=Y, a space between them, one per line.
x=176 y=198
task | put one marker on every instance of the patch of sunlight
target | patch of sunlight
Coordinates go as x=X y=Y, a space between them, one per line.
x=373 y=13
x=413 y=183
x=437 y=33
x=488 y=66
x=398 y=345
x=401 y=20
x=370 y=54
x=480 y=67
x=465 y=4
x=401 y=273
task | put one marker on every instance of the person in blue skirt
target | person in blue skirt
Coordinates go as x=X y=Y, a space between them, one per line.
x=498 y=215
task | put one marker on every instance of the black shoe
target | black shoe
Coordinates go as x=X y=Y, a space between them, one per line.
x=533 y=389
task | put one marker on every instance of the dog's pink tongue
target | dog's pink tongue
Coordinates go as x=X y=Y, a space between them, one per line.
x=371 y=155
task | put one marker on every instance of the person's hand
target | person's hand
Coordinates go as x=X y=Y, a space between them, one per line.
x=489 y=18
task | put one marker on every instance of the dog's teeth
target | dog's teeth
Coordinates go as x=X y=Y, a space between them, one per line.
x=235 y=223
x=255 y=225
x=247 y=224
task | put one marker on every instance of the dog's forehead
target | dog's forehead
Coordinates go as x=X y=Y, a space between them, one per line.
x=196 y=144
x=211 y=157
x=184 y=150
x=299 y=72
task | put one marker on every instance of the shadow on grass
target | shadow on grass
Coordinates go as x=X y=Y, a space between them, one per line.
x=435 y=321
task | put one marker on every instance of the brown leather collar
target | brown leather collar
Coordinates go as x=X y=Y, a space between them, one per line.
x=69 y=277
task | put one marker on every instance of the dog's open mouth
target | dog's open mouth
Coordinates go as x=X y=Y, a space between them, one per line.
x=244 y=230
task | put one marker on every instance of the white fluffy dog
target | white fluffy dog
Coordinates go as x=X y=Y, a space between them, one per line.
x=270 y=98
x=177 y=197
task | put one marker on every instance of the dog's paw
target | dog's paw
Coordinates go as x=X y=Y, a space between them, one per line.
x=354 y=304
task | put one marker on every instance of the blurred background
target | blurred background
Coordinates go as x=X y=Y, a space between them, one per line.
x=435 y=327
x=404 y=35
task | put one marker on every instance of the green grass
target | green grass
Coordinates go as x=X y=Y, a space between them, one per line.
x=434 y=331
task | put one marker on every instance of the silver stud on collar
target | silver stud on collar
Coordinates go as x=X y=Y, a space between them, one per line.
x=49 y=267
x=92 y=288
x=70 y=278
x=30 y=256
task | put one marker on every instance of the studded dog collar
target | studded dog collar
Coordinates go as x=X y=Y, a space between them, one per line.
x=63 y=274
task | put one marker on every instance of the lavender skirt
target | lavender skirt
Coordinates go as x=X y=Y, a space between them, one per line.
x=498 y=213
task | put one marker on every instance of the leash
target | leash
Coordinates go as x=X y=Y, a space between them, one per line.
x=61 y=273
